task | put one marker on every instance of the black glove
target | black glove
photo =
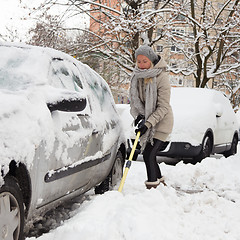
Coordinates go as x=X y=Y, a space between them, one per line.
x=138 y=119
x=141 y=129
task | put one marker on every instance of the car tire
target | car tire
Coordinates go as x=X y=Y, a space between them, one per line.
x=233 y=149
x=114 y=176
x=206 y=150
x=135 y=155
x=137 y=150
x=11 y=210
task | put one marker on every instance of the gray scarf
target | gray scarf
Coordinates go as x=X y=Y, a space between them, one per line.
x=137 y=106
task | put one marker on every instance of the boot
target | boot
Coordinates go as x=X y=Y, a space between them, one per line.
x=162 y=180
x=150 y=185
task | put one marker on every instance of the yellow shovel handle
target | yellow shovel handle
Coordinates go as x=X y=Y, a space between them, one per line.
x=128 y=164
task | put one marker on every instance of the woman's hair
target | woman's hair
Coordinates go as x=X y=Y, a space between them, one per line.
x=156 y=60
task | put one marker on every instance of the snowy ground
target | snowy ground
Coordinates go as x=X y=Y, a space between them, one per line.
x=201 y=201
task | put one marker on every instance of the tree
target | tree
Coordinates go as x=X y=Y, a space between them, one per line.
x=207 y=43
x=210 y=41
x=119 y=31
x=48 y=32
x=10 y=35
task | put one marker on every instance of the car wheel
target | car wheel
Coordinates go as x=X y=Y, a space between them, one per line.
x=137 y=150
x=135 y=155
x=11 y=210
x=114 y=176
x=205 y=151
x=233 y=149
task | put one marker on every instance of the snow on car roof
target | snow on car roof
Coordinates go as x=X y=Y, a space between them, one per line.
x=30 y=64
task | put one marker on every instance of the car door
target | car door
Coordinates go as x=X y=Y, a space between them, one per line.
x=108 y=120
x=224 y=120
x=70 y=166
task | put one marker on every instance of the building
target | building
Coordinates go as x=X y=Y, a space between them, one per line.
x=178 y=49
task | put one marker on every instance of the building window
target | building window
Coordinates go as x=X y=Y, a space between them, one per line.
x=159 y=48
x=175 y=49
x=220 y=21
x=180 y=17
x=176 y=81
x=180 y=82
x=159 y=32
x=190 y=50
x=190 y=34
x=178 y=31
x=220 y=5
x=173 y=65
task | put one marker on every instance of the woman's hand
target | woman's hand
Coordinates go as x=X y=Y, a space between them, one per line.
x=141 y=129
x=139 y=118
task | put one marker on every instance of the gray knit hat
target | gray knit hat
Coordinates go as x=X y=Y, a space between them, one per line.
x=147 y=51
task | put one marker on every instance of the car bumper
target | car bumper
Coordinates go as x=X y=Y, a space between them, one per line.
x=180 y=149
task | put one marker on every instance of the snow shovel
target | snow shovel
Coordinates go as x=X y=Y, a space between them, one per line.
x=128 y=163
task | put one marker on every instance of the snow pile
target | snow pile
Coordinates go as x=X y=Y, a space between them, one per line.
x=201 y=201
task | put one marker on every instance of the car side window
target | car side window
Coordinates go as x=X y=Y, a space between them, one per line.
x=98 y=87
x=65 y=75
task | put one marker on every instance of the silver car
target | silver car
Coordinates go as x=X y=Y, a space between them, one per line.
x=60 y=134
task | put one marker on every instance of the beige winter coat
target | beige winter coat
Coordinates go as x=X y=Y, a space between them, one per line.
x=162 y=118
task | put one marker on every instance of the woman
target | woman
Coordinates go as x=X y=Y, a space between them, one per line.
x=150 y=106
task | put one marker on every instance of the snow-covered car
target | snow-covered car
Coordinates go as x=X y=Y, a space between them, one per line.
x=60 y=134
x=204 y=124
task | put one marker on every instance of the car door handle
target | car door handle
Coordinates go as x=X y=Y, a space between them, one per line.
x=82 y=115
x=94 y=132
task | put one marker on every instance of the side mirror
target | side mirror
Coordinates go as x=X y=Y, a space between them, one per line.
x=68 y=105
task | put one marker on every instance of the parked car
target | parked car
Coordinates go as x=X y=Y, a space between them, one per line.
x=204 y=124
x=60 y=134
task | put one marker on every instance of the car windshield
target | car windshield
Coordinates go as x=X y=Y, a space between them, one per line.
x=10 y=80
x=19 y=68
